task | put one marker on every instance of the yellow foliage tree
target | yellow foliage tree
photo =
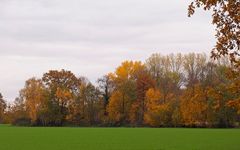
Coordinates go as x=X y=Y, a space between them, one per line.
x=157 y=113
x=34 y=96
x=117 y=109
x=193 y=108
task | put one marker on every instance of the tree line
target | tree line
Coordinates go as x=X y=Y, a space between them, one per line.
x=175 y=90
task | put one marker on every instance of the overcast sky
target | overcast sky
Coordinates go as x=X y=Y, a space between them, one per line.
x=92 y=37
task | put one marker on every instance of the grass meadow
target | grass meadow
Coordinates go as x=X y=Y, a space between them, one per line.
x=67 y=138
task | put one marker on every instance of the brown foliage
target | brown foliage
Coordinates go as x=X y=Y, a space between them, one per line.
x=226 y=18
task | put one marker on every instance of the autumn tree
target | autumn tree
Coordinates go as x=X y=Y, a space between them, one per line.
x=33 y=95
x=224 y=116
x=2 y=108
x=172 y=90
x=193 y=107
x=143 y=82
x=157 y=113
x=106 y=87
x=87 y=107
x=224 y=94
x=167 y=72
x=18 y=113
x=124 y=95
x=234 y=90
x=225 y=17
x=193 y=67
x=61 y=85
x=91 y=103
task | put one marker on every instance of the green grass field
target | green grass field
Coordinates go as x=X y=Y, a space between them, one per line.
x=35 y=138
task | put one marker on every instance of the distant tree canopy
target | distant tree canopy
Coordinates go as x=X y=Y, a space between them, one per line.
x=188 y=90
x=173 y=90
